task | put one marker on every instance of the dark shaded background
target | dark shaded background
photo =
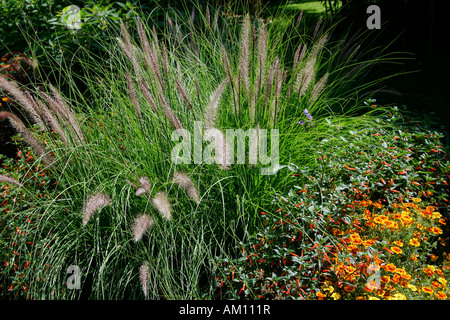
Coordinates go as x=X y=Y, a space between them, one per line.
x=421 y=28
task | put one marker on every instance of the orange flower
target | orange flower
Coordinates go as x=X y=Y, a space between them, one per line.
x=349 y=288
x=385 y=279
x=427 y=290
x=390 y=267
x=398 y=243
x=364 y=203
x=396 y=250
x=406 y=276
x=404 y=284
x=406 y=219
x=435 y=230
x=378 y=220
x=389 y=224
x=436 y=284
x=397 y=216
x=320 y=295
x=428 y=270
x=441 y=295
x=355 y=238
x=400 y=271
x=352 y=248
x=368 y=243
x=396 y=278
x=414 y=242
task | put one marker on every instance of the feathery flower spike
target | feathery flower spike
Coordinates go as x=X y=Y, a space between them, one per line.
x=162 y=204
x=186 y=183
x=141 y=225
x=93 y=204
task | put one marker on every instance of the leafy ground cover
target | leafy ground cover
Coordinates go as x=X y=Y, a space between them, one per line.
x=371 y=223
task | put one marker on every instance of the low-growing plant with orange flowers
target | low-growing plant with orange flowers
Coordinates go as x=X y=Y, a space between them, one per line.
x=368 y=223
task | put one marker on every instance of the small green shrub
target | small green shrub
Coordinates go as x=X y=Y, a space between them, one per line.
x=21 y=235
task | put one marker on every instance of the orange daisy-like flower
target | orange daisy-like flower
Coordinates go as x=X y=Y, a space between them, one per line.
x=400 y=271
x=396 y=250
x=397 y=216
x=396 y=278
x=385 y=279
x=426 y=213
x=378 y=220
x=436 y=284
x=414 y=242
x=398 y=243
x=427 y=290
x=406 y=219
x=404 y=284
x=429 y=271
x=349 y=288
x=390 y=267
x=435 y=230
x=368 y=243
x=389 y=224
x=378 y=205
x=355 y=238
x=352 y=248
x=406 y=276
x=414 y=257
x=320 y=295
x=441 y=295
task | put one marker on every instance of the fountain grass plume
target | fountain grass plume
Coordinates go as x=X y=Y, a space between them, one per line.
x=185 y=182
x=133 y=96
x=143 y=277
x=145 y=186
x=183 y=92
x=13 y=89
x=142 y=224
x=10 y=180
x=162 y=204
x=211 y=111
x=93 y=204
x=17 y=124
